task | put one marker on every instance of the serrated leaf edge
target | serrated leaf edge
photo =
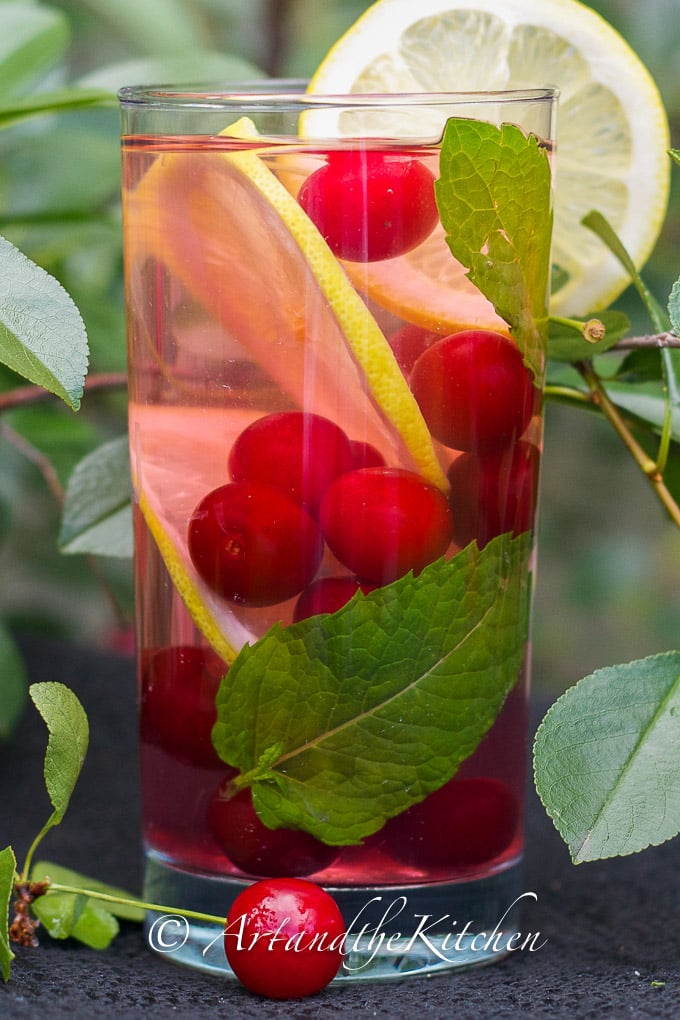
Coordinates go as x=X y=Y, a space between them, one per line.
x=575 y=852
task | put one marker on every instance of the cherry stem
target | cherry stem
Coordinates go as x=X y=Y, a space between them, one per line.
x=647 y=465
x=125 y=901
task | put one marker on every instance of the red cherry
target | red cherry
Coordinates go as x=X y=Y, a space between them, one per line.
x=474 y=391
x=252 y=544
x=298 y=453
x=466 y=822
x=327 y=595
x=284 y=938
x=177 y=710
x=409 y=342
x=371 y=205
x=493 y=494
x=258 y=850
x=365 y=455
x=383 y=522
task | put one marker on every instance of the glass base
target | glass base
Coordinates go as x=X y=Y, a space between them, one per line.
x=393 y=931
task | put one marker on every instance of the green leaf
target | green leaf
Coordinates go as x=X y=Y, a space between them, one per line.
x=674 y=307
x=32 y=39
x=596 y=222
x=675 y=155
x=647 y=401
x=196 y=65
x=8 y=868
x=155 y=26
x=567 y=343
x=68 y=730
x=50 y=427
x=97 y=515
x=504 y=244
x=13 y=684
x=641 y=366
x=42 y=336
x=398 y=688
x=65 y=876
x=71 y=915
x=559 y=277
x=606 y=759
x=14 y=111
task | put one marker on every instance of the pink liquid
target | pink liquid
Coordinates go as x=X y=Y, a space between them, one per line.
x=205 y=366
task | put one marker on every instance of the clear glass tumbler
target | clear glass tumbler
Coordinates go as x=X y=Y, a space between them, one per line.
x=336 y=312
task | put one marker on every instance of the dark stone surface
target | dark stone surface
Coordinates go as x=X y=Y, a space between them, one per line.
x=613 y=938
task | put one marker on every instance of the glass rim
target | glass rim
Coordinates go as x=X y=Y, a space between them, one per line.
x=280 y=93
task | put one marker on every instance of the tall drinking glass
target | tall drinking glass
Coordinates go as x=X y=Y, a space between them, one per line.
x=336 y=311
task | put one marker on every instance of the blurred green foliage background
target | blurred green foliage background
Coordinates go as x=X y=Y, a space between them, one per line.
x=608 y=582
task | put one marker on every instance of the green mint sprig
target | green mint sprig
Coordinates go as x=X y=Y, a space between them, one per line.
x=502 y=242
x=398 y=688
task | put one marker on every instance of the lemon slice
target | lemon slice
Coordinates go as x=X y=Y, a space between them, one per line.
x=427 y=287
x=242 y=246
x=225 y=227
x=184 y=578
x=178 y=454
x=612 y=134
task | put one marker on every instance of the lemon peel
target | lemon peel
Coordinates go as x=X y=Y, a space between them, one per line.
x=187 y=588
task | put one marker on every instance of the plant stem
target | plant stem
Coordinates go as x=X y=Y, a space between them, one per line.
x=21 y=395
x=124 y=901
x=36 y=457
x=567 y=395
x=26 y=870
x=647 y=465
x=655 y=340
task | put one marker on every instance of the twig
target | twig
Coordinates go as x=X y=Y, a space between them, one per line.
x=656 y=341
x=23 y=395
x=34 y=394
x=647 y=465
x=277 y=23
x=35 y=456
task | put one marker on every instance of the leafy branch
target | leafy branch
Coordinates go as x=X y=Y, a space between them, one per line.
x=67 y=904
x=605 y=756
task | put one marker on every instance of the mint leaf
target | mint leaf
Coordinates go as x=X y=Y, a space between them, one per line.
x=97 y=515
x=504 y=244
x=67 y=745
x=8 y=867
x=42 y=336
x=606 y=759
x=65 y=876
x=377 y=705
